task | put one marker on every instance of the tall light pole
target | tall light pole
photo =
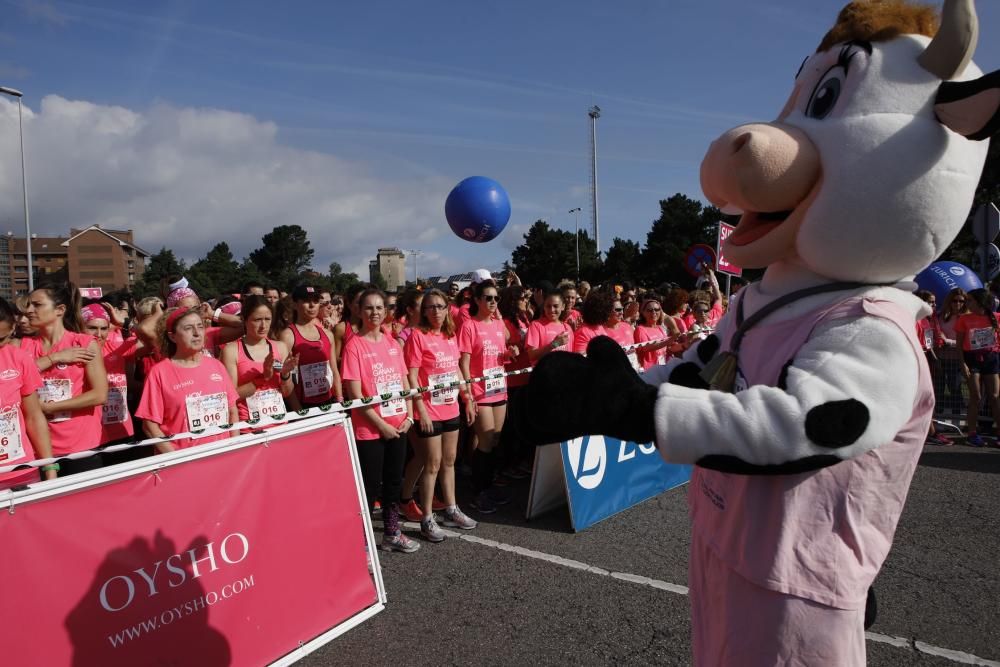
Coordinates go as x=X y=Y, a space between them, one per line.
x=577 y=211
x=594 y=113
x=414 y=254
x=24 y=186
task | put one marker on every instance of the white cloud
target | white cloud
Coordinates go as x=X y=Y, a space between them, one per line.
x=189 y=178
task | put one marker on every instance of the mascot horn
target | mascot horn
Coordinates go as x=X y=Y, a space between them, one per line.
x=806 y=412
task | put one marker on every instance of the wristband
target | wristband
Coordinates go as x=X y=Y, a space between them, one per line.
x=215 y=315
x=284 y=378
x=51 y=466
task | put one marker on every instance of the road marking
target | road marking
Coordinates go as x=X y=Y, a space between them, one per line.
x=899 y=642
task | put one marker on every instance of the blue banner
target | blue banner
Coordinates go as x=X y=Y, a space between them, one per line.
x=605 y=476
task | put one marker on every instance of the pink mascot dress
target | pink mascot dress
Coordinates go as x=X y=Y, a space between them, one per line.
x=806 y=411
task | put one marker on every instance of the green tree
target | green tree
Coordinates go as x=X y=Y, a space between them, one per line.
x=340 y=282
x=550 y=254
x=622 y=261
x=683 y=222
x=284 y=255
x=160 y=265
x=216 y=273
x=964 y=246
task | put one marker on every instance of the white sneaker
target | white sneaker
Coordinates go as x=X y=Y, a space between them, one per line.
x=398 y=542
x=429 y=529
x=457 y=519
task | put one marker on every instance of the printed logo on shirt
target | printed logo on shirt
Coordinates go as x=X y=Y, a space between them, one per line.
x=10 y=374
x=181 y=385
x=215 y=377
x=62 y=367
x=369 y=355
x=588 y=458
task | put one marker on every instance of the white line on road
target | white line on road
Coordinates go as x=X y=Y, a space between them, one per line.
x=898 y=642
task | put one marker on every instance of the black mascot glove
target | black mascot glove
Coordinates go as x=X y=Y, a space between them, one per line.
x=570 y=395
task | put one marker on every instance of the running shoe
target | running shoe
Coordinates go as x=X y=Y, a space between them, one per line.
x=437 y=504
x=498 y=496
x=398 y=542
x=411 y=510
x=456 y=518
x=975 y=440
x=484 y=504
x=429 y=529
x=938 y=439
x=377 y=509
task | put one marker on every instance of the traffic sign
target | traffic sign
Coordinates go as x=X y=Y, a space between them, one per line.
x=986 y=223
x=992 y=262
x=697 y=256
x=725 y=230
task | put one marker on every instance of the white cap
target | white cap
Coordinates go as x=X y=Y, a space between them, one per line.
x=479 y=275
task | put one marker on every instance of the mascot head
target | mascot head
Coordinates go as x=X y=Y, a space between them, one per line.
x=870 y=169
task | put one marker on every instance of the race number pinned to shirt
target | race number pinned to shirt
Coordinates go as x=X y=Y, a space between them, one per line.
x=265 y=403
x=496 y=383
x=982 y=339
x=316 y=379
x=396 y=406
x=443 y=396
x=115 y=409
x=633 y=359
x=204 y=410
x=928 y=339
x=11 y=443
x=54 y=390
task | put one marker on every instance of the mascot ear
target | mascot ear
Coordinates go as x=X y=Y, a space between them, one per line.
x=970 y=108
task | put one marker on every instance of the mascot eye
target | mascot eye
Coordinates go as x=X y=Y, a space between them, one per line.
x=826 y=94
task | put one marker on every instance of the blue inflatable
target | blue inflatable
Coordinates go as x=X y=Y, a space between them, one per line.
x=942 y=277
x=477 y=209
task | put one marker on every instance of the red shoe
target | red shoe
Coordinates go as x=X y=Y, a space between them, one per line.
x=438 y=505
x=411 y=510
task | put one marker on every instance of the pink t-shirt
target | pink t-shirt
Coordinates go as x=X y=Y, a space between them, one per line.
x=181 y=398
x=435 y=357
x=542 y=333
x=516 y=332
x=267 y=399
x=622 y=333
x=574 y=318
x=648 y=357
x=18 y=378
x=979 y=333
x=116 y=422
x=380 y=369
x=583 y=335
x=75 y=430
x=486 y=344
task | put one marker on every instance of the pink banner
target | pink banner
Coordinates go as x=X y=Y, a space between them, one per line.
x=233 y=559
x=724 y=232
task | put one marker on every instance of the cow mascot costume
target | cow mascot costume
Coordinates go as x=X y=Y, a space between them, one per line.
x=806 y=411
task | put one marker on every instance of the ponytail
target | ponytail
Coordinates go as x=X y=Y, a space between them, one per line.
x=67 y=295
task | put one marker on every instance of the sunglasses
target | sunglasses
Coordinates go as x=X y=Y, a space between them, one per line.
x=435 y=306
x=701 y=310
x=619 y=310
x=653 y=310
x=489 y=298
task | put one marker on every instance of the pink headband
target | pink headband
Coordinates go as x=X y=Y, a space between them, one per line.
x=180 y=293
x=178 y=314
x=94 y=312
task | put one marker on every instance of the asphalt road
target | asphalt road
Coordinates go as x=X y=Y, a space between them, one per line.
x=476 y=600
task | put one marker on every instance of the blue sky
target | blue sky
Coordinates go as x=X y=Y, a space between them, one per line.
x=195 y=122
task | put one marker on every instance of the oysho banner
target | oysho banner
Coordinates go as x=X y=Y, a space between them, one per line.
x=232 y=559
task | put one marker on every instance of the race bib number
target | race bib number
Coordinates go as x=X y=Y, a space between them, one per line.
x=265 y=403
x=496 y=383
x=661 y=356
x=928 y=339
x=206 y=410
x=633 y=359
x=396 y=406
x=11 y=444
x=981 y=339
x=54 y=390
x=115 y=409
x=316 y=379
x=443 y=396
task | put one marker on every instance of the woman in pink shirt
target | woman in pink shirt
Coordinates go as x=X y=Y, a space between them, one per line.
x=431 y=355
x=597 y=310
x=571 y=315
x=24 y=433
x=119 y=356
x=373 y=365
x=621 y=331
x=260 y=369
x=482 y=340
x=75 y=383
x=319 y=380
x=977 y=337
x=656 y=327
x=548 y=333
x=188 y=390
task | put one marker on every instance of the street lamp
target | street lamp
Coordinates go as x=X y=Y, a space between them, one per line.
x=414 y=254
x=577 y=211
x=24 y=186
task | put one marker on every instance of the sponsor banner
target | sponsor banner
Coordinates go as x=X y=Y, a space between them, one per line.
x=725 y=230
x=600 y=476
x=237 y=557
x=91 y=292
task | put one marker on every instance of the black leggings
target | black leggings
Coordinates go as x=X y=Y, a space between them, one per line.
x=382 y=469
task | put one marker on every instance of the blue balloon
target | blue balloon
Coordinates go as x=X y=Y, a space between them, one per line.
x=477 y=209
x=942 y=277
